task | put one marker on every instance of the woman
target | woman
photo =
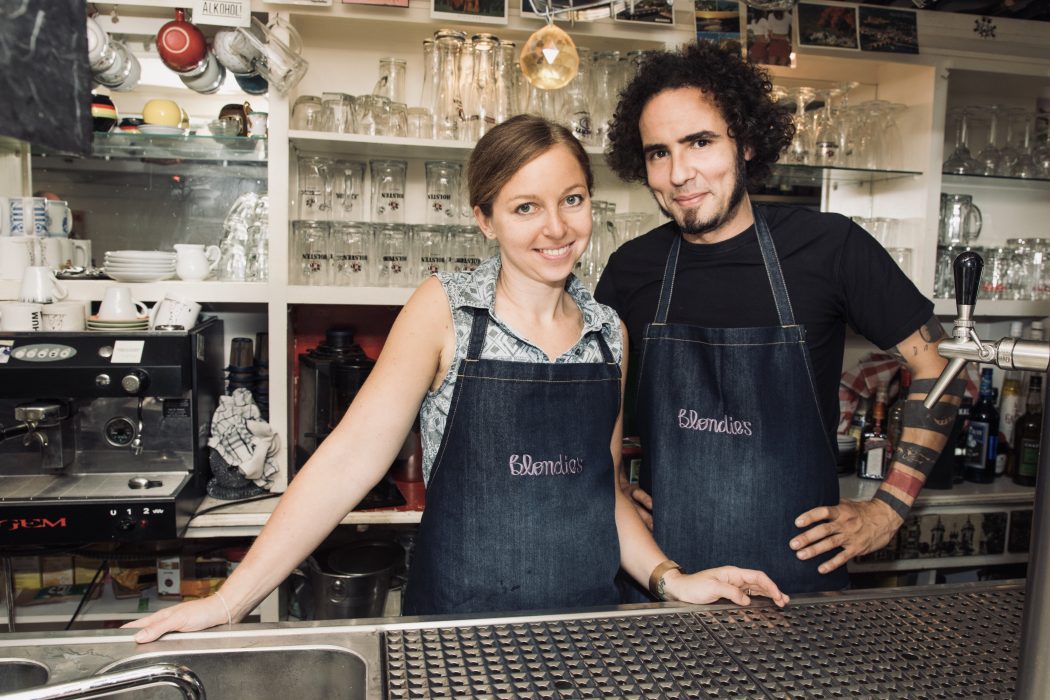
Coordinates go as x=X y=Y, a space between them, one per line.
x=522 y=506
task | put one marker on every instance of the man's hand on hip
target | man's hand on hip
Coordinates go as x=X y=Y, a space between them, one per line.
x=642 y=501
x=858 y=527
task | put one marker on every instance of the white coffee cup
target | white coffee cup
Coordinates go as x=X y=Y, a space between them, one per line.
x=117 y=305
x=63 y=316
x=17 y=253
x=19 y=316
x=28 y=216
x=58 y=252
x=81 y=252
x=39 y=286
x=59 y=218
x=174 y=311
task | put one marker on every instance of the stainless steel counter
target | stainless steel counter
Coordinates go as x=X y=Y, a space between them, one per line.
x=929 y=642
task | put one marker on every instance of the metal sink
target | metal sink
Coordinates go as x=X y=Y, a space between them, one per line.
x=20 y=674
x=301 y=672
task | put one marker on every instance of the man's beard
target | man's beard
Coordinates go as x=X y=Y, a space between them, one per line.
x=690 y=224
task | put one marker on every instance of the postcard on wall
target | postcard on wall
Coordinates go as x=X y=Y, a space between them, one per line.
x=388 y=3
x=648 y=11
x=828 y=26
x=769 y=37
x=718 y=21
x=485 y=11
x=888 y=30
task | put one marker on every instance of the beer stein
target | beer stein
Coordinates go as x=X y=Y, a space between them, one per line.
x=960 y=219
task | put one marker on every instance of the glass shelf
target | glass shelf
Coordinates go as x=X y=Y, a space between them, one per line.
x=174 y=147
x=815 y=175
x=995 y=179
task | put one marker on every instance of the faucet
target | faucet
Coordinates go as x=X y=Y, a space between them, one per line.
x=182 y=677
x=1033 y=678
x=966 y=346
x=37 y=421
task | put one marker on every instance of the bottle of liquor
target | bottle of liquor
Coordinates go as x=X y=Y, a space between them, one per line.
x=895 y=417
x=874 y=443
x=983 y=434
x=858 y=425
x=1009 y=411
x=1029 y=430
x=960 y=446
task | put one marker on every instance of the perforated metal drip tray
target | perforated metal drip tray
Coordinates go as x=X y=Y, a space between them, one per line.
x=950 y=642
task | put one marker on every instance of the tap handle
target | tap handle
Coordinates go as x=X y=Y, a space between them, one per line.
x=968 y=268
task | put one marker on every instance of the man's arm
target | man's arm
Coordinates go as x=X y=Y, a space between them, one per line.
x=860 y=527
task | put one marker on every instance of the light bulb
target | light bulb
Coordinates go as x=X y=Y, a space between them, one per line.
x=549 y=59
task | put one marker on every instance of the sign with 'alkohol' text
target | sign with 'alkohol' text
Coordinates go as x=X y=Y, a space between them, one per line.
x=225 y=13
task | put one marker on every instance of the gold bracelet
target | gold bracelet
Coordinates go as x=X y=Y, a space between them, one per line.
x=656 y=579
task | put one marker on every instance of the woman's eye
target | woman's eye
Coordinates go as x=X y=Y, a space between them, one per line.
x=574 y=200
x=526 y=208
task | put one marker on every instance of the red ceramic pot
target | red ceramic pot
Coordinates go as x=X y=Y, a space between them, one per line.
x=180 y=44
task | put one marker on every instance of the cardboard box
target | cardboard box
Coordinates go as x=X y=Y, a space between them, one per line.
x=169 y=577
x=130 y=578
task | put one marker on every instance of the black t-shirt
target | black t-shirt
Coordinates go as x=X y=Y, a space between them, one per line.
x=836 y=274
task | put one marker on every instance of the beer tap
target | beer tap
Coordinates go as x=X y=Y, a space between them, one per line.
x=965 y=345
x=1033 y=682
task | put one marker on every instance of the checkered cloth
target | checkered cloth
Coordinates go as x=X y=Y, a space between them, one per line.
x=879 y=368
x=243 y=440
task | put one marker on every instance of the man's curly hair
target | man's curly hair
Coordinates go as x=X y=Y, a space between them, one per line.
x=740 y=90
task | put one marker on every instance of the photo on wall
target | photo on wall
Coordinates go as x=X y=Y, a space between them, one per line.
x=888 y=30
x=648 y=11
x=484 y=11
x=829 y=26
x=719 y=21
x=769 y=37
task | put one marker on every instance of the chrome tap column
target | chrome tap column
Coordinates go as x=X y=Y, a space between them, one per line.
x=1033 y=682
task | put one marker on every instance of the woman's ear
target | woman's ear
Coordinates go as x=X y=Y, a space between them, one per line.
x=484 y=223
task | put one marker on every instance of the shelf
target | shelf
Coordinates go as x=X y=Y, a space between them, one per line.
x=996 y=309
x=1038 y=183
x=938 y=563
x=176 y=147
x=211 y=291
x=360 y=296
x=813 y=175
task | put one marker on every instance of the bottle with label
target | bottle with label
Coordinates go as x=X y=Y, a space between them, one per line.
x=1029 y=431
x=982 y=444
x=858 y=425
x=961 y=444
x=875 y=442
x=1009 y=411
x=895 y=417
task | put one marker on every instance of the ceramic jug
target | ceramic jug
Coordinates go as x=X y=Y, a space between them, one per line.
x=194 y=261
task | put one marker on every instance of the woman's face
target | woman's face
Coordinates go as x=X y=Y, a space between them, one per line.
x=542 y=217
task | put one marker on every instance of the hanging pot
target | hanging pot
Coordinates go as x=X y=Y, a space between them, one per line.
x=181 y=45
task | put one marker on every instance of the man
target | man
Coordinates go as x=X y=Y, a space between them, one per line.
x=740 y=316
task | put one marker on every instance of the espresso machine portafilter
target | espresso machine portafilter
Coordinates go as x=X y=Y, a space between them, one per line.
x=965 y=345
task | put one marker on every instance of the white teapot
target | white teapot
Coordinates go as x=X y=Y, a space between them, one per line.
x=195 y=262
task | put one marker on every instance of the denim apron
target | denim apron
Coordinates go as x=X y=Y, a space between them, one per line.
x=735 y=448
x=520 y=504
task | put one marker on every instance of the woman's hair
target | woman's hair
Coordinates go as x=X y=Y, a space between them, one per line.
x=504 y=150
x=741 y=92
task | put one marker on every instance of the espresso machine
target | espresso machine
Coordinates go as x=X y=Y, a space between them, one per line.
x=104 y=435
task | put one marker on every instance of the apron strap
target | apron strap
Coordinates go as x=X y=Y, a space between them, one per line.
x=667 y=286
x=773 y=271
x=478 y=327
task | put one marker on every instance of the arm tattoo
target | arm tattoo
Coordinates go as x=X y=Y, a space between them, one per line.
x=912 y=462
x=930 y=332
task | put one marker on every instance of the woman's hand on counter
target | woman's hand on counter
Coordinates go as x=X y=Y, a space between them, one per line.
x=190 y=616
x=729 y=582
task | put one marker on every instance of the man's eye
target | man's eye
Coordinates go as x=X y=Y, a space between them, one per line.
x=700 y=143
x=656 y=155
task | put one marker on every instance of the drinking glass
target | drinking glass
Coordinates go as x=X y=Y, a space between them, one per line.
x=351 y=247
x=419 y=123
x=431 y=251
x=310 y=243
x=467 y=246
x=373 y=115
x=315 y=187
x=388 y=191
x=801 y=148
x=306 y=113
x=443 y=185
x=348 y=185
x=959 y=161
x=391 y=83
x=397 y=120
x=989 y=159
x=394 y=246
x=337 y=113
x=901 y=256
x=1011 y=152
x=1026 y=165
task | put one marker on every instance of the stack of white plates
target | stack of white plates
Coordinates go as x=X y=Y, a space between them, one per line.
x=139 y=265
x=135 y=324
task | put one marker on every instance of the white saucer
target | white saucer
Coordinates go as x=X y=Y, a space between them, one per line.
x=161 y=130
x=124 y=276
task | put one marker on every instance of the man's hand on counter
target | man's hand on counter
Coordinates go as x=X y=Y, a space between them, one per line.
x=858 y=527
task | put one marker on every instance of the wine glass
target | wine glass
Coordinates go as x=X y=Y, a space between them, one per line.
x=960 y=162
x=798 y=153
x=1025 y=165
x=989 y=158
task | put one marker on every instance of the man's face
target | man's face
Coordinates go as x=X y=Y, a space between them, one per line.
x=694 y=168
